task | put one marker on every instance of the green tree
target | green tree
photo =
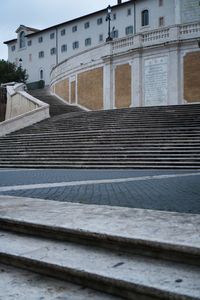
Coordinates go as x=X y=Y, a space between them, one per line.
x=10 y=72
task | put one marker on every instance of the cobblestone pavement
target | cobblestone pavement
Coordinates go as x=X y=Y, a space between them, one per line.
x=148 y=189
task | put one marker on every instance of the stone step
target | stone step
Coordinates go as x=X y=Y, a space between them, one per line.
x=112 y=272
x=77 y=135
x=33 y=130
x=154 y=258
x=100 y=134
x=21 y=284
x=91 y=147
x=116 y=166
x=92 y=152
x=130 y=158
x=57 y=156
x=102 y=137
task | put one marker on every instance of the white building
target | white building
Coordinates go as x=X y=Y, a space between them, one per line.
x=150 y=61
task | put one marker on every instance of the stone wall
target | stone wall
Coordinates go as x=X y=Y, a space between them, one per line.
x=90 y=89
x=192 y=77
x=73 y=92
x=62 y=89
x=123 y=86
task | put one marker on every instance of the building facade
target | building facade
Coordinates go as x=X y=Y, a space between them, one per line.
x=153 y=58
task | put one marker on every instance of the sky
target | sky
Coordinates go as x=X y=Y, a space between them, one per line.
x=41 y=14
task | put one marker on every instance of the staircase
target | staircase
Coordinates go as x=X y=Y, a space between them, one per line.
x=57 y=107
x=146 y=137
x=129 y=253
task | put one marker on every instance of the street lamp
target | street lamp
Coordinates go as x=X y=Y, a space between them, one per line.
x=20 y=62
x=108 y=18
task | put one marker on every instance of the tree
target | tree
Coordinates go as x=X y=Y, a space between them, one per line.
x=10 y=72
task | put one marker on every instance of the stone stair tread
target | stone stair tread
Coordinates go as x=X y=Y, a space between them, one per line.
x=21 y=284
x=152 y=276
x=180 y=231
x=129 y=272
x=65 y=165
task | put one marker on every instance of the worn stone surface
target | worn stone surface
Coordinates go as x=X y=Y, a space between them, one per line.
x=16 y=284
x=90 y=263
x=164 y=227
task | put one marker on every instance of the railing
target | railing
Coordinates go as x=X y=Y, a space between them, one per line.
x=156 y=35
x=190 y=29
x=3 y=101
x=124 y=42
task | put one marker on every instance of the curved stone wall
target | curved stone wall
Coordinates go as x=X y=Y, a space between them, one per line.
x=155 y=68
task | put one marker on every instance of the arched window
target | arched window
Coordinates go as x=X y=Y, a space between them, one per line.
x=41 y=74
x=22 y=39
x=145 y=17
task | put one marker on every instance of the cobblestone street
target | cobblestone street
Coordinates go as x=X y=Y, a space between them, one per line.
x=172 y=190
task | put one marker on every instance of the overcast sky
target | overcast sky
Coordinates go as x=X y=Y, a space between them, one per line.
x=41 y=14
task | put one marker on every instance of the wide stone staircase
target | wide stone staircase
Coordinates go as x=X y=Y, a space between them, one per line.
x=145 y=137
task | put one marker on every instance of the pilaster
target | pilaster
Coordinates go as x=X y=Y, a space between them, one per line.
x=136 y=78
x=108 y=95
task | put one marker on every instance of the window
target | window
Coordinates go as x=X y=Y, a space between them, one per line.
x=63 y=32
x=99 y=21
x=74 y=28
x=53 y=51
x=114 y=34
x=129 y=12
x=161 y=21
x=75 y=45
x=41 y=54
x=41 y=74
x=22 y=40
x=87 y=25
x=160 y=2
x=129 y=30
x=40 y=39
x=114 y=16
x=100 y=37
x=13 y=48
x=29 y=43
x=88 y=42
x=145 y=17
x=52 y=35
x=64 y=48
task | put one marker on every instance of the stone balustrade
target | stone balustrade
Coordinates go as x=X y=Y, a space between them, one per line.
x=22 y=110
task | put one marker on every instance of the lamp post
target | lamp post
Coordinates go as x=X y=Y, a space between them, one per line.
x=20 y=62
x=108 y=19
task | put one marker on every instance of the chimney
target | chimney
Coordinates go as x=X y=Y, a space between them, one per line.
x=119 y=1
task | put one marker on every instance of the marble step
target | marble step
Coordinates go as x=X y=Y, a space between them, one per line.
x=91 y=156
x=95 y=165
x=31 y=139
x=113 y=268
x=128 y=276
x=19 y=284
